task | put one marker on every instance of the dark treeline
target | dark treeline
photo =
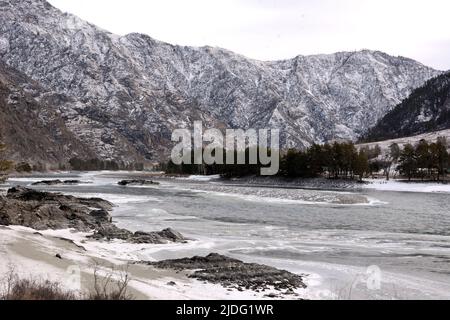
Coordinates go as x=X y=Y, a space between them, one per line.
x=226 y=170
x=339 y=161
x=97 y=164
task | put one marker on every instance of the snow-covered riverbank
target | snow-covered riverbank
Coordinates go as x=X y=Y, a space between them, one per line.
x=34 y=254
x=328 y=184
x=404 y=186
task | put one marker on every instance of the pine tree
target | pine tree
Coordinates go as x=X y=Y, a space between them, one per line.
x=408 y=161
x=439 y=156
x=423 y=158
x=394 y=152
x=361 y=166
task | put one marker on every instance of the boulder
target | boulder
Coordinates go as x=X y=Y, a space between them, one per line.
x=111 y=231
x=233 y=273
x=47 y=183
x=57 y=182
x=137 y=182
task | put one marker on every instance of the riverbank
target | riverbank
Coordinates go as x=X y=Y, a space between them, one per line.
x=54 y=255
x=381 y=184
x=400 y=185
x=59 y=234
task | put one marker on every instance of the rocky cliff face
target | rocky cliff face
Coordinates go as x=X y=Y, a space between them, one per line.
x=129 y=92
x=30 y=123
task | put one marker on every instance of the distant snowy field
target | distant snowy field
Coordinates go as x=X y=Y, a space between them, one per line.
x=431 y=136
x=393 y=185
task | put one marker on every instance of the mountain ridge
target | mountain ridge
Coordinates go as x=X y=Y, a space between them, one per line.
x=131 y=91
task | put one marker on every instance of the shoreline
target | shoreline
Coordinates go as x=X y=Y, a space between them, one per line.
x=319 y=183
x=33 y=253
x=65 y=235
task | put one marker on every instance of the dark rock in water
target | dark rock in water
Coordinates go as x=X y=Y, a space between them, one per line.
x=112 y=232
x=171 y=283
x=25 y=194
x=47 y=183
x=164 y=236
x=57 y=182
x=171 y=234
x=58 y=256
x=44 y=210
x=233 y=273
x=138 y=182
x=74 y=182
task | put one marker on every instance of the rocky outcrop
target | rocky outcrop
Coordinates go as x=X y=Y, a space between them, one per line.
x=47 y=183
x=31 y=125
x=112 y=232
x=137 y=182
x=57 y=182
x=233 y=273
x=44 y=210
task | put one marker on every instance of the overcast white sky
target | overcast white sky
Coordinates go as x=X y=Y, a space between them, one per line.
x=271 y=30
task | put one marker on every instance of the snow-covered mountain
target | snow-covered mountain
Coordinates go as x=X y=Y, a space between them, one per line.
x=129 y=92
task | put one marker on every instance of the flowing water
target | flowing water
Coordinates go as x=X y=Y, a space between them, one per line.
x=396 y=245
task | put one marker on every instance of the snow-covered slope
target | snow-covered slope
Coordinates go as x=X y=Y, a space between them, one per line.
x=427 y=109
x=132 y=90
x=431 y=136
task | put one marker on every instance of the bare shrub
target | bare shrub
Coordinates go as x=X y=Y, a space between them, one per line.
x=110 y=284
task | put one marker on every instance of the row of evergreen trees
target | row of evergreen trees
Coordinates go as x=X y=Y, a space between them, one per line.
x=95 y=164
x=424 y=160
x=344 y=160
x=337 y=160
x=340 y=160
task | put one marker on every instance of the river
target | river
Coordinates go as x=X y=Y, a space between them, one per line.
x=394 y=246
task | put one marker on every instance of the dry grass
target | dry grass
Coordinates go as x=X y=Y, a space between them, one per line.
x=15 y=288
x=108 y=284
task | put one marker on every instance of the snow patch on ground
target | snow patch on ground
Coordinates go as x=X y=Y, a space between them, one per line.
x=33 y=253
x=403 y=186
x=202 y=178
